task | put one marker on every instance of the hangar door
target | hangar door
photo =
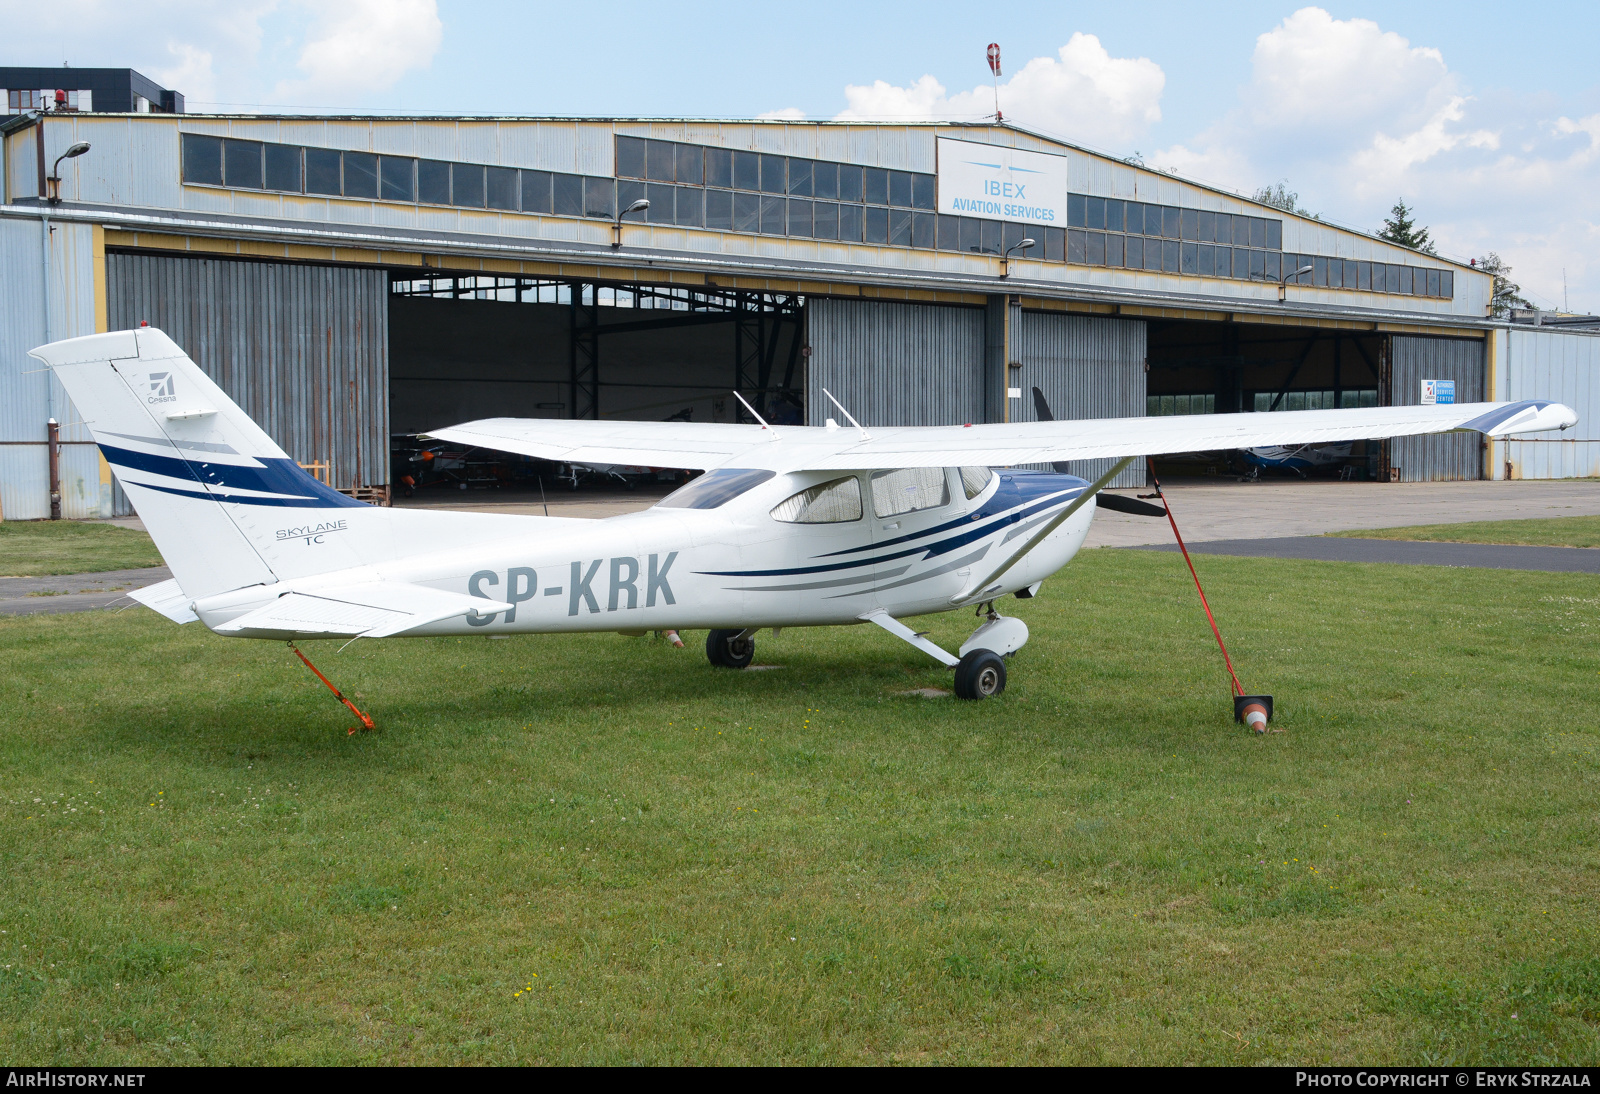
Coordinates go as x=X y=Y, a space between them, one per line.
x=304 y=350
x=1085 y=368
x=895 y=364
x=1436 y=457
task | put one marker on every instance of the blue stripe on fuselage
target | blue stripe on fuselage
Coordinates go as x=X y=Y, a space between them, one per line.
x=1017 y=487
x=1020 y=489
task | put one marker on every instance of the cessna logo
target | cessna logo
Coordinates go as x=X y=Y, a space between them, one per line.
x=621 y=581
x=312 y=533
x=162 y=389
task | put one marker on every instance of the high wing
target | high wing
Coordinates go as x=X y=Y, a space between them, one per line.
x=643 y=444
x=707 y=445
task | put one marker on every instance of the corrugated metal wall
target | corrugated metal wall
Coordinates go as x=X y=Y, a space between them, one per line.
x=1437 y=457
x=29 y=394
x=303 y=349
x=894 y=364
x=1559 y=365
x=1086 y=368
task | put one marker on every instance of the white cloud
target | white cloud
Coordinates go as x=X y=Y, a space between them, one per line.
x=362 y=46
x=190 y=71
x=1384 y=162
x=232 y=55
x=1314 y=70
x=1084 y=95
x=1354 y=116
x=787 y=114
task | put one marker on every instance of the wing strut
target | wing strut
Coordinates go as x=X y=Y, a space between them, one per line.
x=976 y=592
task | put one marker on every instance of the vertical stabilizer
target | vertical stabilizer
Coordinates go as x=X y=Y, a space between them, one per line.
x=205 y=479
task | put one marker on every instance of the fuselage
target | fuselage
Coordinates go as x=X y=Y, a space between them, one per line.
x=734 y=565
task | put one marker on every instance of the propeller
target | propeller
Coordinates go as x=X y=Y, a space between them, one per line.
x=1119 y=504
x=1042 y=412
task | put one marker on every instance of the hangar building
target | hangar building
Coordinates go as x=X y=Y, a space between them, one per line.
x=346 y=279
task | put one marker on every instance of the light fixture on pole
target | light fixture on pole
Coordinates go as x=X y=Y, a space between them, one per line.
x=1283 y=282
x=1005 y=259
x=638 y=206
x=53 y=182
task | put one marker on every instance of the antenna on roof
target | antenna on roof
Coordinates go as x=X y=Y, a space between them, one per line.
x=757 y=417
x=848 y=416
x=994 y=67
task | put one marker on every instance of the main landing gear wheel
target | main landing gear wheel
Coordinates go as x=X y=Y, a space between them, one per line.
x=980 y=675
x=732 y=649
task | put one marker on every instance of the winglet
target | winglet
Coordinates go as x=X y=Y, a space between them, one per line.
x=1529 y=416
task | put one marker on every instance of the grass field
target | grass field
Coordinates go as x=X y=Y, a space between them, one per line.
x=1533 y=532
x=599 y=849
x=34 y=548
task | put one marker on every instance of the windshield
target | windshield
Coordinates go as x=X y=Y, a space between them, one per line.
x=714 y=488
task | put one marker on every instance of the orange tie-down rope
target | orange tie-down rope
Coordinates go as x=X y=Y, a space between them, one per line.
x=366 y=722
x=1254 y=710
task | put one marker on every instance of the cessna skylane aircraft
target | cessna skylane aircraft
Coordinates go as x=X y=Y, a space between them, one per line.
x=789 y=526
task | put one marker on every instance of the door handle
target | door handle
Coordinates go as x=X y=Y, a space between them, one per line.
x=890 y=527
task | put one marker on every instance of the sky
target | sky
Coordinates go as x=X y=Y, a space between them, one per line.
x=1484 y=118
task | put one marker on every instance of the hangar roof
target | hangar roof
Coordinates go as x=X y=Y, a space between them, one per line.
x=844 y=200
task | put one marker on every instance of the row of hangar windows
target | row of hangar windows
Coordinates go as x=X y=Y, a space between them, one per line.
x=786 y=196
x=1264 y=401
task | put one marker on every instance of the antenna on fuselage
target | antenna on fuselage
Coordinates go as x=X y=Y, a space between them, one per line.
x=757 y=417
x=848 y=416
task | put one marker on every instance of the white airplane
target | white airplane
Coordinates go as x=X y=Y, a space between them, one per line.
x=791 y=526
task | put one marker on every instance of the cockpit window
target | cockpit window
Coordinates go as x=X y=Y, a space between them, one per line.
x=714 y=488
x=908 y=489
x=974 y=479
x=827 y=503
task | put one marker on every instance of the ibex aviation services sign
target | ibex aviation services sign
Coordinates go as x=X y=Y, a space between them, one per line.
x=983 y=180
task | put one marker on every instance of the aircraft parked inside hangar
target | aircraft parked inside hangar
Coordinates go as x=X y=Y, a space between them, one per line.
x=789 y=526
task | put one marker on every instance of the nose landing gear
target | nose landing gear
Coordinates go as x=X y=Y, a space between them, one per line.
x=981 y=668
x=981 y=674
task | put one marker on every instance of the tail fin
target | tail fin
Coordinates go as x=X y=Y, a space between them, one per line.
x=220 y=499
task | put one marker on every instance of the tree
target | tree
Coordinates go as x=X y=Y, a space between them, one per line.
x=1281 y=197
x=1401 y=227
x=1507 y=293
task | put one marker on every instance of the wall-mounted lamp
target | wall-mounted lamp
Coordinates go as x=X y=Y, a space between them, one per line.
x=53 y=182
x=1283 y=282
x=638 y=206
x=1005 y=259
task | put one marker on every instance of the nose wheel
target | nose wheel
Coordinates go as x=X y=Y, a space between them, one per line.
x=980 y=674
x=731 y=649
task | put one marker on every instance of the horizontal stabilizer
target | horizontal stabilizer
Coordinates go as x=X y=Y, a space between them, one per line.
x=166 y=598
x=376 y=609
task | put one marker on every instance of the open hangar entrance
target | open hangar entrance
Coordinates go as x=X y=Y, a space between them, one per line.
x=482 y=346
x=1199 y=367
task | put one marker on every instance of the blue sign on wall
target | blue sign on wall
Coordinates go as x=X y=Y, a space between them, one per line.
x=1438 y=392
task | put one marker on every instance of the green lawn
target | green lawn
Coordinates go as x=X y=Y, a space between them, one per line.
x=599 y=849
x=1534 y=532
x=34 y=548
